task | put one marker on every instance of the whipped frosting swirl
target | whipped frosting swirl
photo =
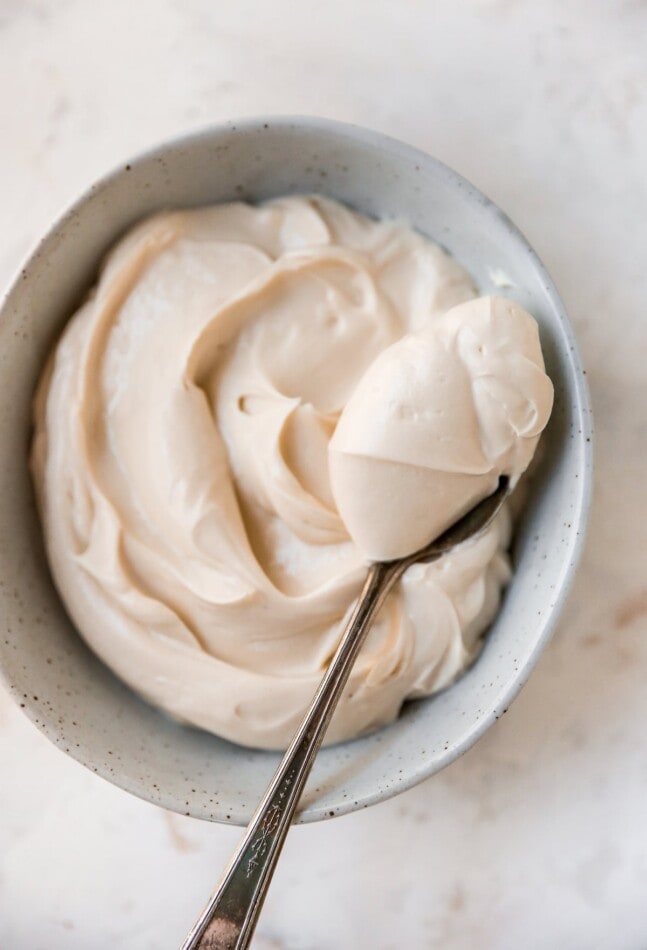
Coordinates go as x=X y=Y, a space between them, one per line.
x=183 y=433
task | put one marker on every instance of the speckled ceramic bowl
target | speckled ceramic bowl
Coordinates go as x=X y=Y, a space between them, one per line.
x=63 y=687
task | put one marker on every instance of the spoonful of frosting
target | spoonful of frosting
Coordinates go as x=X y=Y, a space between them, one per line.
x=439 y=415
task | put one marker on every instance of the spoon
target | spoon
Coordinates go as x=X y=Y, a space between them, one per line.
x=229 y=919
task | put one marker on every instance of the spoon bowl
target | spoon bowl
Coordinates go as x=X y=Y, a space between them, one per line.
x=466 y=528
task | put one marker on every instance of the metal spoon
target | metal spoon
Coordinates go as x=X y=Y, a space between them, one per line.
x=229 y=919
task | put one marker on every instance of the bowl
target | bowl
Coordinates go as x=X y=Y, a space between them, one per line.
x=64 y=689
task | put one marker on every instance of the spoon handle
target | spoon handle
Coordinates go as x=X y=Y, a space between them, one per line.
x=229 y=919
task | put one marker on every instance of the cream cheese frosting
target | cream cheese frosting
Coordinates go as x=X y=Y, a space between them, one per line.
x=215 y=441
x=434 y=422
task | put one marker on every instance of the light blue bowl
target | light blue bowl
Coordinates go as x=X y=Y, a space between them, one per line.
x=63 y=687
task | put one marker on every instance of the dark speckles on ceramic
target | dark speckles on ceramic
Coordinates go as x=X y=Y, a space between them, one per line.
x=55 y=678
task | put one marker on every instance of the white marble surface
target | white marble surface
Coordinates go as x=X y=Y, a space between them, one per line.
x=537 y=838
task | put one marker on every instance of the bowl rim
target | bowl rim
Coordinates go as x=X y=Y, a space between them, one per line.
x=380 y=141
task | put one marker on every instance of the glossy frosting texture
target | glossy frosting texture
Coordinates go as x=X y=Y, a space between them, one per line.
x=181 y=459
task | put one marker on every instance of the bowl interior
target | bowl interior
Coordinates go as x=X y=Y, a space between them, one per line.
x=63 y=687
